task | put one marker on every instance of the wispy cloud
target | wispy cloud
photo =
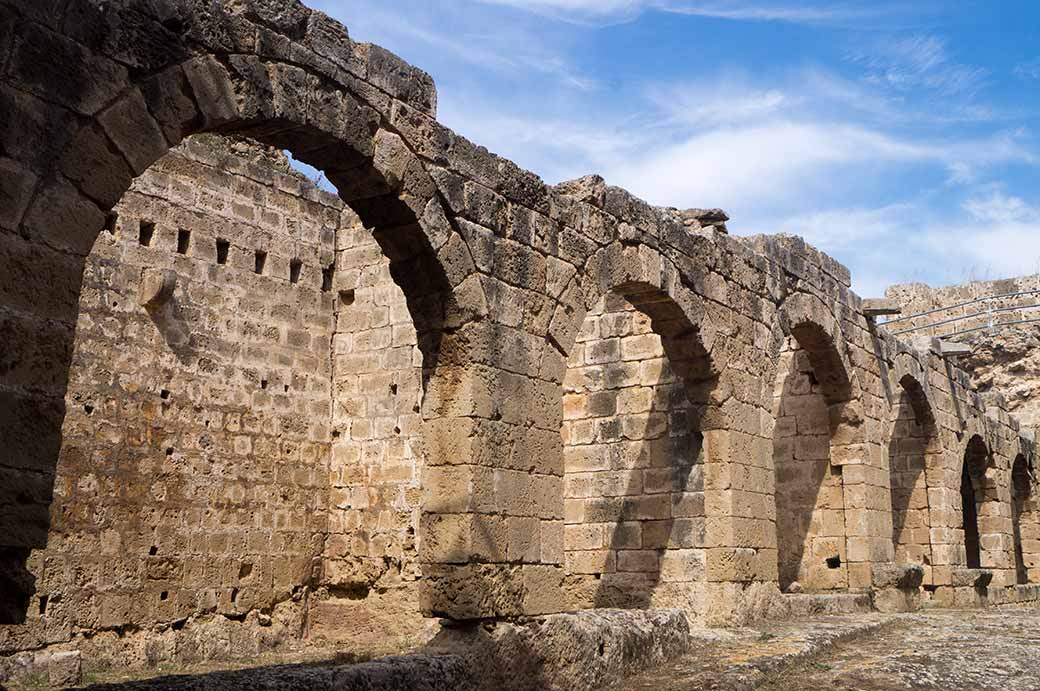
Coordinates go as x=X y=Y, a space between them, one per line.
x=598 y=11
x=469 y=48
x=1028 y=70
x=721 y=102
x=998 y=207
x=493 y=48
x=784 y=159
x=897 y=156
x=991 y=236
x=915 y=62
x=771 y=13
x=997 y=239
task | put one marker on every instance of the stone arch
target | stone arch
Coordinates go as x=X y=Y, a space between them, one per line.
x=633 y=476
x=818 y=430
x=636 y=386
x=618 y=265
x=973 y=495
x=736 y=490
x=914 y=454
x=1025 y=521
x=118 y=123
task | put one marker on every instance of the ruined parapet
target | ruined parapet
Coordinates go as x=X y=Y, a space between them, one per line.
x=1004 y=341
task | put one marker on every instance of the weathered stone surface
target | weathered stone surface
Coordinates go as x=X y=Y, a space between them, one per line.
x=942 y=650
x=584 y=651
x=898 y=576
x=470 y=395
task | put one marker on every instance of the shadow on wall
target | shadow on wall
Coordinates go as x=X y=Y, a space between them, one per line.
x=816 y=419
x=41 y=286
x=973 y=494
x=636 y=388
x=910 y=445
x=1023 y=519
x=807 y=503
x=171 y=321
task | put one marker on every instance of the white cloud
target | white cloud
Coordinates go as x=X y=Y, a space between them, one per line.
x=1002 y=209
x=497 y=49
x=1029 y=70
x=724 y=102
x=593 y=11
x=765 y=161
x=556 y=149
x=915 y=62
x=777 y=159
x=746 y=12
x=995 y=236
x=982 y=252
x=838 y=230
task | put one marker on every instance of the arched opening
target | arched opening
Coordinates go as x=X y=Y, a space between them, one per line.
x=635 y=391
x=814 y=430
x=267 y=452
x=910 y=450
x=1023 y=520
x=973 y=472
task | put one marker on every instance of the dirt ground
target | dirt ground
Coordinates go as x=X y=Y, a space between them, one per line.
x=941 y=650
x=933 y=650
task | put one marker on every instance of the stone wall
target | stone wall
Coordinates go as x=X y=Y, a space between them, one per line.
x=634 y=480
x=429 y=455
x=192 y=485
x=1004 y=359
x=194 y=515
x=810 y=506
x=371 y=563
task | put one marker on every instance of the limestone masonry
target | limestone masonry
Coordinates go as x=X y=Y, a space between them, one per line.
x=534 y=433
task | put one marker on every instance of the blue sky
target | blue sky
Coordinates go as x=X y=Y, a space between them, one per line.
x=900 y=138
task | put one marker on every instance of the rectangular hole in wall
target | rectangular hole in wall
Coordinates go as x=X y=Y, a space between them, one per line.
x=146 y=232
x=183 y=241
x=327 y=274
x=261 y=262
x=346 y=297
x=295 y=267
x=110 y=223
x=43 y=605
x=222 y=251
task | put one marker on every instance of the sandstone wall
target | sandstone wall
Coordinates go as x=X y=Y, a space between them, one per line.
x=633 y=468
x=809 y=501
x=1003 y=359
x=371 y=563
x=499 y=274
x=240 y=466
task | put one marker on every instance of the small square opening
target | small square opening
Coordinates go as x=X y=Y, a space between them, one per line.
x=260 y=262
x=146 y=233
x=183 y=241
x=222 y=251
x=295 y=268
x=347 y=297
